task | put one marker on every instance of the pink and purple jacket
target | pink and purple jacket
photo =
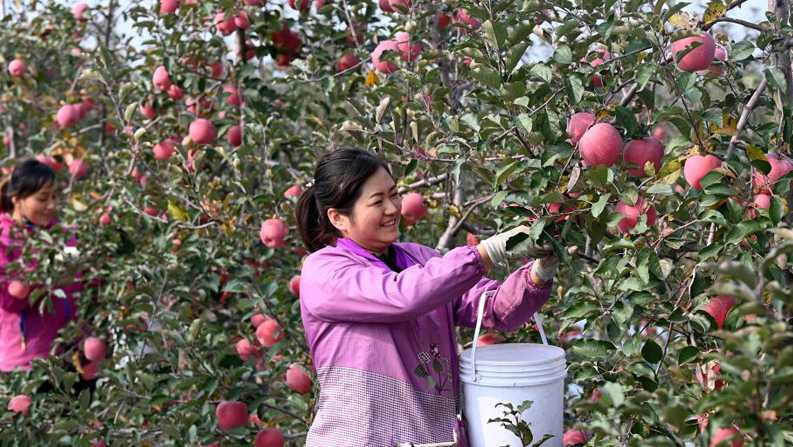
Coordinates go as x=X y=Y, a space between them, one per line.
x=383 y=343
x=25 y=333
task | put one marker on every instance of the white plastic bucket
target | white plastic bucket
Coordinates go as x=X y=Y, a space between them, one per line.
x=512 y=373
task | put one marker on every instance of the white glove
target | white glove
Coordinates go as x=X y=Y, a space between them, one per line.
x=545 y=268
x=496 y=246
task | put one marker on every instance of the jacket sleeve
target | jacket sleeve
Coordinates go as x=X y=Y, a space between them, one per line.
x=512 y=304
x=338 y=288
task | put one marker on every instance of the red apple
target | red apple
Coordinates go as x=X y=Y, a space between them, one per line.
x=270 y=437
x=697 y=167
x=269 y=332
x=471 y=240
x=234 y=135
x=443 y=20
x=601 y=145
x=202 y=131
x=148 y=110
x=385 y=5
x=49 y=161
x=168 y=6
x=297 y=379
x=463 y=17
x=67 y=116
x=762 y=201
x=574 y=437
x=78 y=10
x=18 y=289
x=234 y=98
x=631 y=214
x=724 y=435
x=164 y=149
x=301 y=5
x=659 y=133
x=719 y=307
x=697 y=59
x=273 y=232
x=78 y=168
x=578 y=124
x=90 y=370
x=719 y=57
x=231 y=415
x=347 y=61
x=94 y=348
x=257 y=320
x=241 y=20
x=246 y=349
x=17 y=67
x=413 y=207
x=294 y=285
x=384 y=66
x=639 y=152
x=294 y=191
x=489 y=338
x=224 y=25
x=161 y=79
x=408 y=51
x=20 y=404
x=175 y=92
x=104 y=219
x=780 y=166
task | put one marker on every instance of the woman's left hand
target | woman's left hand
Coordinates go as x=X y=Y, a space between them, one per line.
x=544 y=269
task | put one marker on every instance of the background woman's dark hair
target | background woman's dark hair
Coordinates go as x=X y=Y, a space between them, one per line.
x=338 y=180
x=28 y=178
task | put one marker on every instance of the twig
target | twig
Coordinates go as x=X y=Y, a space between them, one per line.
x=745 y=116
x=447 y=235
x=426 y=182
x=745 y=23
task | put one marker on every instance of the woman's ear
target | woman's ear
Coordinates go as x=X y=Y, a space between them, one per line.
x=339 y=220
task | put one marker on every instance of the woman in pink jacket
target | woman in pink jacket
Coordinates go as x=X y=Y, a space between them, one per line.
x=379 y=315
x=27 y=201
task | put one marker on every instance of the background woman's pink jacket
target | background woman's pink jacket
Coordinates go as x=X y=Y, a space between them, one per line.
x=25 y=333
x=383 y=343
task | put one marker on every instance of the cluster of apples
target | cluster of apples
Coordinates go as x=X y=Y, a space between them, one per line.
x=70 y=114
x=763 y=185
x=233 y=414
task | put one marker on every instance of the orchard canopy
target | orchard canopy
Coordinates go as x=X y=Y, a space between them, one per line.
x=183 y=131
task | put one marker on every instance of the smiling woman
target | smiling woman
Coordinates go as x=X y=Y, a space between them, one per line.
x=379 y=315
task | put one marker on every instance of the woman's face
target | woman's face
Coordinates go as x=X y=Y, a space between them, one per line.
x=38 y=208
x=374 y=222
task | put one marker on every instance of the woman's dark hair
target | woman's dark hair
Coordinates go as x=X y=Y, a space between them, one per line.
x=28 y=178
x=338 y=180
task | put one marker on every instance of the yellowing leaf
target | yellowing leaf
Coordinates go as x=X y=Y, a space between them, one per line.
x=694 y=150
x=715 y=10
x=681 y=20
x=78 y=205
x=371 y=79
x=176 y=212
x=755 y=153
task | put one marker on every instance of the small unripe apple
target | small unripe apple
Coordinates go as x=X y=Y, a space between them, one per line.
x=639 y=152
x=20 y=404
x=578 y=124
x=297 y=379
x=697 y=59
x=269 y=332
x=269 y=437
x=697 y=167
x=231 y=415
x=272 y=232
x=161 y=79
x=18 y=289
x=17 y=67
x=94 y=348
x=601 y=145
x=202 y=131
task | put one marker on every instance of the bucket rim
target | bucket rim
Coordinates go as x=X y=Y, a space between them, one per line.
x=467 y=379
x=466 y=355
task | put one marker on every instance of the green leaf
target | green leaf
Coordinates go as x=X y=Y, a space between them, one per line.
x=614 y=392
x=515 y=55
x=776 y=79
x=712 y=178
x=687 y=354
x=541 y=71
x=651 y=352
x=563 y=55
x=646 y=72
x=525 y=122
x=777 y=209
x=599 y=349
x=661 y=189
x=575 y=89
x=597 y=207
x=491 y=35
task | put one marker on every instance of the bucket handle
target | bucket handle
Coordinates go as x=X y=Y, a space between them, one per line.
x=480 y=313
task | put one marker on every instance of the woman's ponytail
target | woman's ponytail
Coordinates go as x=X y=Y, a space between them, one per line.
x=6 y=205
x=310 y=221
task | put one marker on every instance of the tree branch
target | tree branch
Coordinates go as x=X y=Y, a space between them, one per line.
x=447 y=235
x=426 y=182
x=745 y=116
x=745 y=23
